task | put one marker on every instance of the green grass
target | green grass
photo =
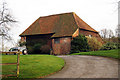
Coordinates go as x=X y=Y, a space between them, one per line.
x=105 y=53
x=32 y=66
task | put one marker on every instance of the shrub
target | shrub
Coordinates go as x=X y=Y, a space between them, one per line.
x=109 y=46
x=117 y=45
x=29 y=49
x=79 y=44
x=36 y=48
x=93 y=43
x=45 y=49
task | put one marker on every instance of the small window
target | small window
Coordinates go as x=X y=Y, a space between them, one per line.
x=90 y=35
x=65 y=40
x=57 y=40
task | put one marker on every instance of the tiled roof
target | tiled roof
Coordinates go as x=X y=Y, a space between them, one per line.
x=60 y=24
x=81 y=24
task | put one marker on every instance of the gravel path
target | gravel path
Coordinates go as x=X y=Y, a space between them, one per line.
x=79 y=66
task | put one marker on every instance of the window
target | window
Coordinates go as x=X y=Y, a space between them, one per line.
x=65 y=40
x=90 y=35
x=57 y=40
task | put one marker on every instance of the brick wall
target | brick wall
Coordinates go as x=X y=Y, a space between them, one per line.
x=63 y=47
x=87 y=33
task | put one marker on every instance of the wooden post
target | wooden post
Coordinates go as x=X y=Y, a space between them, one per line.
x=18 y=59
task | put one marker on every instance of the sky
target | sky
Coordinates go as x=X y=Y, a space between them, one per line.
x=99 y=14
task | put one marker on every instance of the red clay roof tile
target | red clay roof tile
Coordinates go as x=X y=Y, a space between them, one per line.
x=61 y=24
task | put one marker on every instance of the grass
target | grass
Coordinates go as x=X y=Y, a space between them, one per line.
x=105 y=53
x=32 y=66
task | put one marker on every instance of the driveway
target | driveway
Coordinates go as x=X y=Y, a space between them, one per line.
x=80 y=66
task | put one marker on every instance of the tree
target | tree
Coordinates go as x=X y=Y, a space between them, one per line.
x=103 y=33
x=106 y=34
x=6 y=23
x=110 y=33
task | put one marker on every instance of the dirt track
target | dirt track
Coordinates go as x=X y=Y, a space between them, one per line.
x=88 y=67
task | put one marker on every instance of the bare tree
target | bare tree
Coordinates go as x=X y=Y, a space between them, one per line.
x=107 y=35
x=104 y=33
x=6 y=23
x=110 y=33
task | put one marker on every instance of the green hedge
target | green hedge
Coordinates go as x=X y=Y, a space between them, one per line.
x=110 y=46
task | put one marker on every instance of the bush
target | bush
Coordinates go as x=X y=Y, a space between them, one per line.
x=39 y=49
x=93 y=43
x=29 y=49
x=117 y=45
x=109 y=46
x=45 y=49
x=36 y=48
x=79 y=44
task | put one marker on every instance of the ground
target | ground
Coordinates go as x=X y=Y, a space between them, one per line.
x=81 y=66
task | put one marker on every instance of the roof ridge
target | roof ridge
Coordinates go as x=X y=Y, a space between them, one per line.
x=73 y=13
x=56 y=14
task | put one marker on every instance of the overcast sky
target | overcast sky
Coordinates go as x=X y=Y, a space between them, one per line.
x=99 y=14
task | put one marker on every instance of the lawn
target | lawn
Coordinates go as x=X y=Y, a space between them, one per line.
x=105 y=53
x=32 y=66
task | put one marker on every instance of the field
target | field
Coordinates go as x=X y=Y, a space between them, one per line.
x=106 y=53
x=32 y=66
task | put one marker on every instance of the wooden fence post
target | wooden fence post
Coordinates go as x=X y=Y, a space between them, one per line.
x=18 y=59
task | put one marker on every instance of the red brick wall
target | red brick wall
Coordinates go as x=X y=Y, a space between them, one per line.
x=87 y=33
x=63 y=47
x=55 y=47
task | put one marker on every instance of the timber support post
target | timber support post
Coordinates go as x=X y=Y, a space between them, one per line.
x=18 y=61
